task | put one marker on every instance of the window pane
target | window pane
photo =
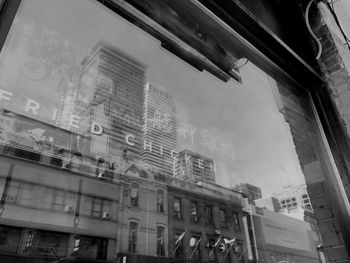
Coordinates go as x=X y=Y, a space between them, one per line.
x=100 y=107
x=160 y=201
x=96 y=207
x=193 y=212
x=208 y=214
x=50 y=243
x=132 y=237
x=9 y=238
x=178 y=245
x=160 y=241
x=92 y=247
x=134 y=195
x=177 y=208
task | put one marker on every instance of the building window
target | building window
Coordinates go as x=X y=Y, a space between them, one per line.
x=58 y=200
x=92 y=247
x=96 y=207
x=177 y=208
x=134 y=195
x=222 y=216
x=178 y=245
x=193 y=212
x=96 y=210
x=26 y=194
x=13 y=192
x=160 y=241
x=50 y=243
x=209 y=214
x=160 y=201
x=211 y=250
x=9 y=239
x=195 y=248
x=236 y=221
x=132 y=237
x=61 y=199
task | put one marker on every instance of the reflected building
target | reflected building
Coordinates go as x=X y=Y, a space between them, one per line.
x=67 y=105
x=109 y=102
x=193 y=166
x=205 y=223
x=159 y=129
x=270 y=203
x=253 y=192
x=280 y=238
x=294 y=196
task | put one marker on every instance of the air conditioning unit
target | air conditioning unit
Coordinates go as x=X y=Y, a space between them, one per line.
x=66 y=164
x=101 y=175
x=106 y=215
x=69 y=209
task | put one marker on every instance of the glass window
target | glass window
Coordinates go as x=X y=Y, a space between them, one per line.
x=236 y=222
x=26 y=194
x=87 y=205
x=107 y=207
x=209 y=214
x=13 y=192
x=132 y=236
x=134 y=195
x=195 y=248
x=87 y=93
x=160 y=241
x=193 y=212
x=160 y=200
x=50 y=243
x=96 y=207
x=9 y=238
x=222 y=216
x=178 y=245
x=177 y=208
x=46 y=196
x=211 y=250
x=58 y=200
x=92 y=247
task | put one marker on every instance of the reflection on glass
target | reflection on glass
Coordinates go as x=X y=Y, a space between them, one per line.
x=95 y=116
x=9 y=239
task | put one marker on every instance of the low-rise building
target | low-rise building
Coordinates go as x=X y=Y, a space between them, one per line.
x=280 y=238
x=205 y=223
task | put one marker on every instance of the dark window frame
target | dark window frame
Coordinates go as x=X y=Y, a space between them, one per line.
x=160 y=201
x=133 y=229
x=177 y=214
x=209 y=215
x=223 y=218
x=194 y=218
x=180 y=252
x=134 y=201
x=160 y=241
x=236 y=221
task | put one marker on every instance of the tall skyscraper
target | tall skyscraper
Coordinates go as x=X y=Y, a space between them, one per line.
x=194 y=166
x=109 y=103
x=159 y=130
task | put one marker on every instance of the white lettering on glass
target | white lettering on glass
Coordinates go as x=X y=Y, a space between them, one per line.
x=33 y=106
x=5 y=95
x=96 y=128
x=127 y=139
